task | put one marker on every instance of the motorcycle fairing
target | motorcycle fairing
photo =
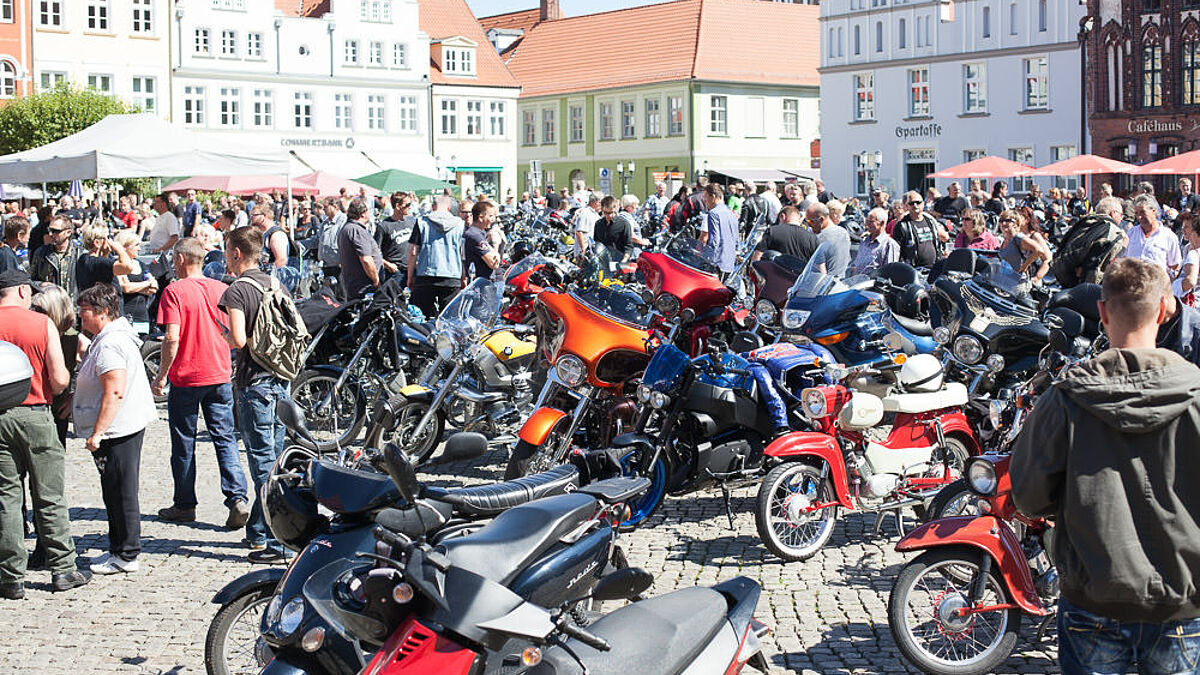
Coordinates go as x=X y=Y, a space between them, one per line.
x=538 y=426
x=918 y=430
x=694 y=288
x=417 y=648
x=988 y=534
x=811 y=444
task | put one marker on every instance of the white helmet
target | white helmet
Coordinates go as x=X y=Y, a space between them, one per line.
x=922 y=372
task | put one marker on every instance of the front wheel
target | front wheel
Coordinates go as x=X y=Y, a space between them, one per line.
x=955 y=499
x=334 y=417
x=407 y=418
x=234 y=644
x=527 y=458
x=645 y=505
x=925 y=613
x=786 y=525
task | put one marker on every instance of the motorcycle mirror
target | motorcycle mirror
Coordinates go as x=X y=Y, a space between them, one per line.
x=624 y=584
x=893 y=342
x=293 y=418
x=462 y=446
x=688 y=315
x=402 y=472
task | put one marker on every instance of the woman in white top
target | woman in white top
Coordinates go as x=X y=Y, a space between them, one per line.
x=1186 y=281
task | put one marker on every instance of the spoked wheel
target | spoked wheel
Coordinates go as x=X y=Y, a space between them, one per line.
x=234 y=645
x=956 y=499
x=407 y=419
x=151 y=353
x=335 y=419
x=927 y=612
x=785 y=523
x=528 y=458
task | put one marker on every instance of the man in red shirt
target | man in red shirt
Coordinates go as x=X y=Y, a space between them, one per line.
x=196 y=360
x=29 y=444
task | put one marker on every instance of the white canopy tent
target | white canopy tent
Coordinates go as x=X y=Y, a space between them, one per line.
x=136 y=146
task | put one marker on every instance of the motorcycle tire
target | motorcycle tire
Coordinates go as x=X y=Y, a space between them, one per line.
x=244 y=612
x=311 y=386
x=151 y=355
x=518 y=460
x=961 y=455
x=525 y=454
x=956 y=499
x=952 y=567
x=407 y=417
x=779 y=480
x=643 y=507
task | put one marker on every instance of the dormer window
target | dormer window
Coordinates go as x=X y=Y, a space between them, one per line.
x=458 y=60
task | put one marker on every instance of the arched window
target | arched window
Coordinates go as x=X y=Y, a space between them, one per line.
x=1114 y=51
x=8 y=79
x=1152 y=69
x=1189 y=64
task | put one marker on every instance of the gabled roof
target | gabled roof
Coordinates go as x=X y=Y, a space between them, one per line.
x=718 y=40
x=442 y=19
x=520 y=20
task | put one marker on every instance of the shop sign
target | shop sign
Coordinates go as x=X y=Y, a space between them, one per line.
x=927 y=130
x=920 y=155
x=319 y=143
x=1157 y=126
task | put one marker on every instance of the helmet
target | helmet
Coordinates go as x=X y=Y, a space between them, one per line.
x=913 y=302
x=16 y=377
x=519 y=251
x=922 y=372
x=290 y=508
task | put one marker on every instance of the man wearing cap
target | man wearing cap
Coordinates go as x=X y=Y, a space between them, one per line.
x=29 y=444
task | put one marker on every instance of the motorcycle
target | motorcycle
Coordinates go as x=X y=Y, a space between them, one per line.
x=845 y=465
x=524 y=280
x=772 y=276
x=681 y=278
x=957 y=607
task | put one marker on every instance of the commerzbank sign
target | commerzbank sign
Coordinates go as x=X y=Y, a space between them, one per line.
x=319 y=143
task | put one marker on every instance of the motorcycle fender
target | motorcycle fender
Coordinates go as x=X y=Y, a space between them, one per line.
x=417 y=392
x=985 y=533
x=803 y=445
x=631 y=438
x=538 y=426
x=955 y=424
x=248 y=583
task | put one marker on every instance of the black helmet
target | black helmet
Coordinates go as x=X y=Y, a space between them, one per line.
x=520 y=250
x=914 y=302
x=289 y=506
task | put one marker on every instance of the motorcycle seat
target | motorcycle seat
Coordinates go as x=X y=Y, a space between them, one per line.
x=914 y=326
x=503 y=548
x=660 y=635
x=489 y=500
x=952 y=395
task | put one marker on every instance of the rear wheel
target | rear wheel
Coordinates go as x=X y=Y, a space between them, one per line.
x=334 y=418
x=958 y=454
x=786 y=525
x=151 y=358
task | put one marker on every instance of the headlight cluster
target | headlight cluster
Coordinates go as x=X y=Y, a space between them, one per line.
x=290 y=617
x=656 y=399
x=795 y=318
x=445 y=346
x=667 y=305
x=981 y=476
x=815 y=404
x=570 y=370
x=968 y=349
x=941 y=335
x=765 y=312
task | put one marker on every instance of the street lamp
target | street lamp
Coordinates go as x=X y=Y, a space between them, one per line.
x=624 y=172
x=1085 y=29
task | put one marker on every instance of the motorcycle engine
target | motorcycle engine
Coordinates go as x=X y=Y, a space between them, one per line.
x=881 y=485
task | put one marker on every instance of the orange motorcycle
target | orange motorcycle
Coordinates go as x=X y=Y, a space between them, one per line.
x=594 y=341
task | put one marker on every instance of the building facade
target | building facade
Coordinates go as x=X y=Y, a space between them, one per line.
x=343 y=85
x=16 y=49
x=112 y=46
x=910 y=87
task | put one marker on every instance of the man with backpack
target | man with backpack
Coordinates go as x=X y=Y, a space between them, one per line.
x=270 y=337
x=919 y=235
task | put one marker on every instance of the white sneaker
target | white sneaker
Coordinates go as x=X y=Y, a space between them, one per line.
x=111 y=564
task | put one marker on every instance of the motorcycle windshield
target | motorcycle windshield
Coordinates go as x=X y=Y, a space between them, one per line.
x=471 y=312
x=666 y=368
x=690 y=252
x=524 y=265
x=616 y=303
x=1002 y=277
x=814 y=281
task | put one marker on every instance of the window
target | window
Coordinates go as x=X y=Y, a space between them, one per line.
x=576 y=114
x=50 y=13
x=878 y=36
x=1024 y=156
x=972 y=155
x=228 y=104
x=1012 y=18
x=791 y=118
x=528 y=128
x=917 y=33
x=918 y=92
x=302 y=103
x=459 y=61
x=653 y=118
x=407 y=118
x=376 y=10
x=142 y=17
x=1057 y=154
x=263 y=108
x=51 y=79
x=987 y=22
x=6 y=14
x=628 y=123
x=864 y=96
x=497 y=120
x=8 y=79
x=97 y=15
x=547 y=125
x=144 y=94
x=343 y=111
x=100 y=83
x=474 y=118
x=674 y=115
x=399 y=55
x=902 y=35
x=376 y=112
x=351 y=52
x=718 y=116
x=229 y=4
x=449 y=117
x=193 y=105
x=229 y=43
x=857 y=40
x=974 y=88
x=1037 y=88
x=200 y=42
x=254 y=45
x=375 y=53
x=841 y=34
x=606 y=121
x=1191 y=72
x=1041 y=16
x=832 y=47
x=1151 y=5
x=1151 y=76
x=865 y=175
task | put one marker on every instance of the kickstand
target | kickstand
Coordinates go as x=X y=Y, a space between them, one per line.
x=1045 y=626
x=883 y=514
x=728 y=506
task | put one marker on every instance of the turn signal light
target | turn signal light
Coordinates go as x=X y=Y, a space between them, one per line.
x=402 y=593
x=531 y=656
x=832 y=339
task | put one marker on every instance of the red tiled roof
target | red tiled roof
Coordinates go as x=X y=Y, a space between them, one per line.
x=310 y=8
x=441 y=19
x=521 y=20
x=720 y=40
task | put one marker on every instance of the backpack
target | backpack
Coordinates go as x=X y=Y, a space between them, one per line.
x=278 y=338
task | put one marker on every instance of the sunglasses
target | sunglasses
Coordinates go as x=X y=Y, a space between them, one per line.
x=916 y=203
x=1008 y=220
x=57 y=231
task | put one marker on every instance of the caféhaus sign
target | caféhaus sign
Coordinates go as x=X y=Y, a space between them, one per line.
x=1155 y=126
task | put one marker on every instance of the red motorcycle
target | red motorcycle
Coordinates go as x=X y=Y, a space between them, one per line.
x=524 y=280
x=681 y=278
x=957 y=607
x=846 y=465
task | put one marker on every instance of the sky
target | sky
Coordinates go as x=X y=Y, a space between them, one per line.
x=569 y=7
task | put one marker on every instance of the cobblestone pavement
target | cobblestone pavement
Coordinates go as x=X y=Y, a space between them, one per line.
x=828 y=615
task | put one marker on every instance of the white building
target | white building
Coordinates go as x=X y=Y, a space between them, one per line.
x=117 y=47
x=927 y=84
x=342 y=84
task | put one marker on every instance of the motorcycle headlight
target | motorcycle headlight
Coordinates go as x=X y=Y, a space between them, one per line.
x=643 y=393
x=795 y=318
x=995 y=413
x=273 y=610
x=968 y=349
x=814 y=403
x=981 y=476
x=659 y=400
x=445 y=346
x=995 y=363
x=290 y=617
x=941 y=335
x=570 y=370
x=667 y=305
x=765 y=312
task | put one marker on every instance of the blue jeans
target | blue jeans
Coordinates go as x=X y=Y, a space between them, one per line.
x=1091 y=644
x=263 y=436
x=216 y=400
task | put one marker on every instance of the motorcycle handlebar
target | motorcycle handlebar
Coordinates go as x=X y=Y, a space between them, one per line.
x=594 y=641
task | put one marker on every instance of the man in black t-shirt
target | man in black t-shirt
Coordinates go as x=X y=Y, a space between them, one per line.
x=952 y=205
x=919 y=235
x=358 y=252
x=479 y=258
x=392 y=235
x=789 y=236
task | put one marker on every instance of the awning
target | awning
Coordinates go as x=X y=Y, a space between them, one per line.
x=761 y=175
